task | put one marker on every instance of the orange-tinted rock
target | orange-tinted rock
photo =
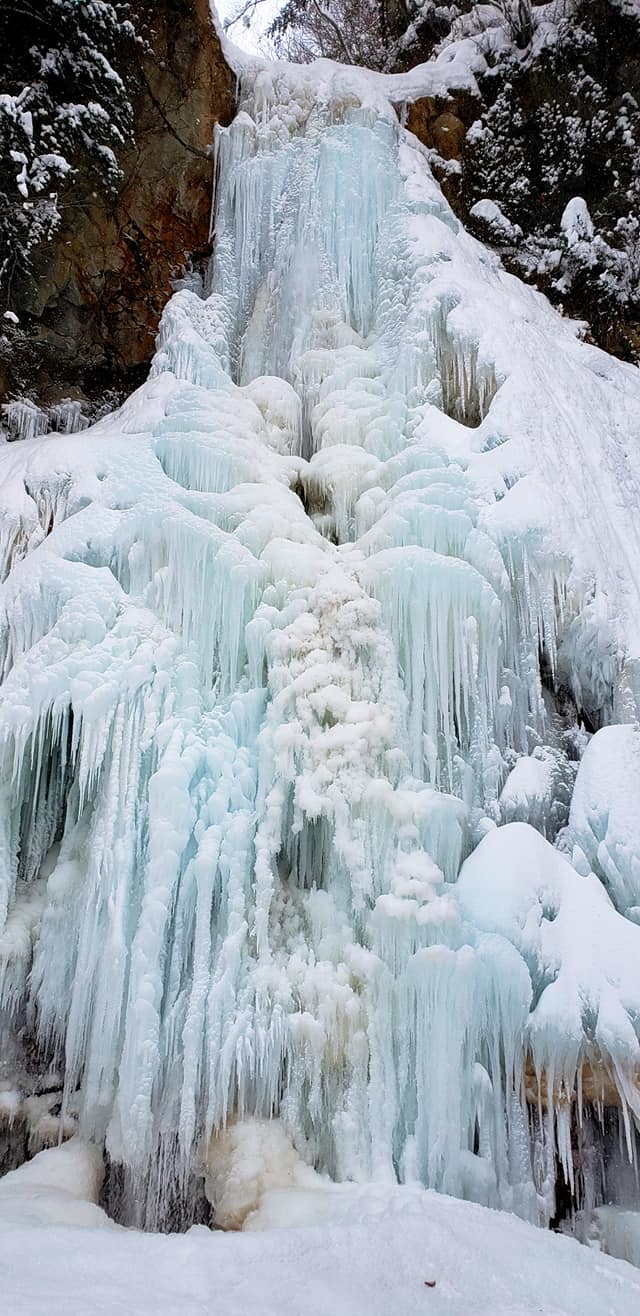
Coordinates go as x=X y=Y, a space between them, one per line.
x=597 y=1085
x=449 y=135
x=442 y=123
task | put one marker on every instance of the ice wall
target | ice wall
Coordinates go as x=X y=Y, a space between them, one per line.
x=284 y=642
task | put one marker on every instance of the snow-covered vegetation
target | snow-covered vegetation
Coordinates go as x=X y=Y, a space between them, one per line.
x=557 y=147
x=63 y=105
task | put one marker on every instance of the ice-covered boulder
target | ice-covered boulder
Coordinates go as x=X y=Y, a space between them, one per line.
x=538 y=790
x=604 y=821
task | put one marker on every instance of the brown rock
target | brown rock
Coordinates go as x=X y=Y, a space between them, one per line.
x=441 y=123
x=449 y=135
x=92 y=311
x=598 y=1086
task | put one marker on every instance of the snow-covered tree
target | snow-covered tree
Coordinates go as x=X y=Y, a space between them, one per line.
x=380 y=34
x=63 y=107
x=383 y=34
x=562 y=124
x=356 y=32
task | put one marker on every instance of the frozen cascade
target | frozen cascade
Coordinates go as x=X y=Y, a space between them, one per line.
x=284 y=643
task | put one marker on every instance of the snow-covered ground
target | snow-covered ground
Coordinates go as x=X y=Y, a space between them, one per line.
x=483 y=1264
x=372 y=1252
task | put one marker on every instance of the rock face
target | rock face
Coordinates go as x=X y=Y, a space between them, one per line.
x=441 y=124
x=91 y=310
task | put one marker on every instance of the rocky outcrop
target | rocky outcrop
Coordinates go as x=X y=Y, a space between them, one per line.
x=90 y=312
x=594 y=1086
x=441 y=124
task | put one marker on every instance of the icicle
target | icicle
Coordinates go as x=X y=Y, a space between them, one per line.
x=277 y=644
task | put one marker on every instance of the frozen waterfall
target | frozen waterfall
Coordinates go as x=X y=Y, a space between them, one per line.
x=300 y=653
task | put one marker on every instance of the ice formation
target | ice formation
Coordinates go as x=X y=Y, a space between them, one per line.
x=307 y=625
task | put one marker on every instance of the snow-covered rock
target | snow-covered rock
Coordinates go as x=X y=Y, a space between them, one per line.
x=60 y=1186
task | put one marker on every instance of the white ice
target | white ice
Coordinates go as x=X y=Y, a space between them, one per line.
x=60 y=1186
x=276 y=640
x=605 y=810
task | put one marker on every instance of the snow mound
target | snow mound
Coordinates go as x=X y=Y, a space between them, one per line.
x=406 y=1252
x=60 y=1186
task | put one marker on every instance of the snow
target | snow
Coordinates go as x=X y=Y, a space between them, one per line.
x=356 y=1252
x=576 y=222
x=59 y=1186
x=274 y=642
x=454 y=69
x=603 y=822
x=493 y=218
x=619 y=1232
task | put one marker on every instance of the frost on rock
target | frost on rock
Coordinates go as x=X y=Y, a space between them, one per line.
x=282 y=641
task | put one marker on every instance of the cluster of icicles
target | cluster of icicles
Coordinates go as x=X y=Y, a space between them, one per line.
x=265 y=685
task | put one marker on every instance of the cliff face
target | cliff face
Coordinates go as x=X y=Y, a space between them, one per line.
x=90 y=311
x=441 y=124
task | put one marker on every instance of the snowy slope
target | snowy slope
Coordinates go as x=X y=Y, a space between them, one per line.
x=274 y=638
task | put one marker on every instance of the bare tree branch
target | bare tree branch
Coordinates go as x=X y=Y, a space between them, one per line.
x=336 y=30
x=246 y=9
